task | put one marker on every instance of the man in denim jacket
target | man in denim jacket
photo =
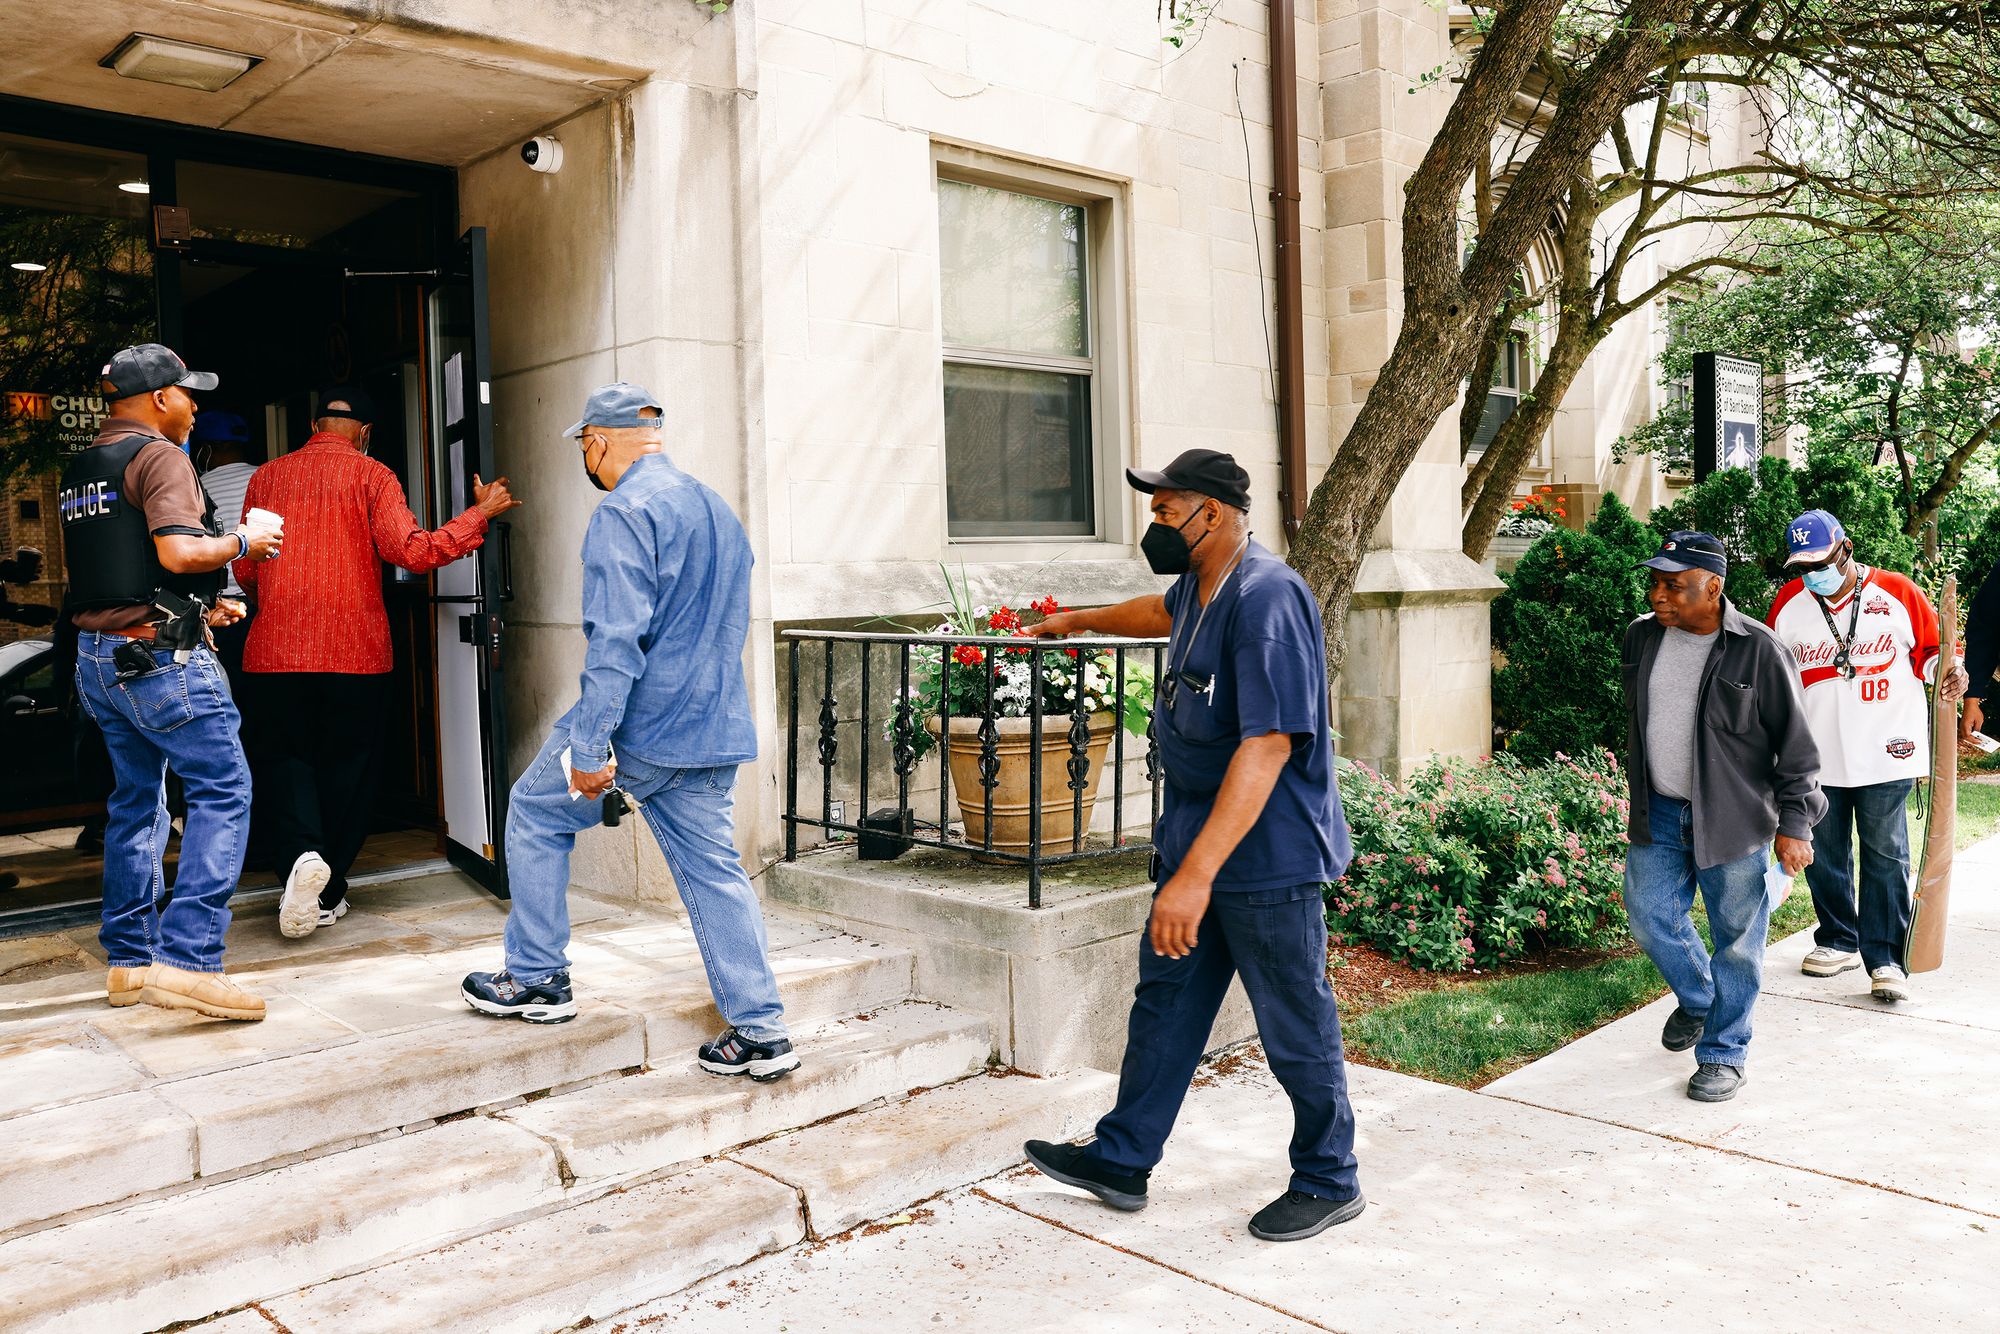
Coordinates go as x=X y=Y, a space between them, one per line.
x=1723 y=764
x=665 y=713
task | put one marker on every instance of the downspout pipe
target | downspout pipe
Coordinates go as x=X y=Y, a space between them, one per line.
x=1293 y=488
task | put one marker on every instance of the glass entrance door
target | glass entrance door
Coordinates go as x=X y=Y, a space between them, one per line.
x=470 y=593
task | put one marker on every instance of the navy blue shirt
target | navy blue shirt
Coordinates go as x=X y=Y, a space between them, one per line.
x=1262 y=651
x=666 y=612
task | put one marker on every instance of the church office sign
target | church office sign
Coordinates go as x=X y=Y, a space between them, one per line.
x=1728 y=413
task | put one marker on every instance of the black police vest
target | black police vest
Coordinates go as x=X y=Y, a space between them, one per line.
x=107 y=546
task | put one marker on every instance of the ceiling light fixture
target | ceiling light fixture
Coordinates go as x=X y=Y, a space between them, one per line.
x=28 y=266
x=136 y=187
x=206 y=69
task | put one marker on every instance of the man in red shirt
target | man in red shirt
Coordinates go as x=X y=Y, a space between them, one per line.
x=317 y=661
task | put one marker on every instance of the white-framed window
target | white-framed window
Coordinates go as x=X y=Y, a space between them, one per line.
x=1025 y=445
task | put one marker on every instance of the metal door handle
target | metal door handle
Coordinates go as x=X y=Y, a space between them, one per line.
x=506 y=561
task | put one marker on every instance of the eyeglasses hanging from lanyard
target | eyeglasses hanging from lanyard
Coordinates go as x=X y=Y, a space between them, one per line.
x=1170 y=681
x=1843 y=645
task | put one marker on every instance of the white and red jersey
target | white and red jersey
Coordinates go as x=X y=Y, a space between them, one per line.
x=1873 y=727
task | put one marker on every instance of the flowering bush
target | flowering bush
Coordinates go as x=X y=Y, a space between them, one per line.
x=1479 y=864
x=962 y=673
x=1540 y=511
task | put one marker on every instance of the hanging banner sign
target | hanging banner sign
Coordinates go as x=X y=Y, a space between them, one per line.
x=1728 y=413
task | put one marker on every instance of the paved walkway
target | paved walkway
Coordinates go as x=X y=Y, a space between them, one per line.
x=1854 y=1182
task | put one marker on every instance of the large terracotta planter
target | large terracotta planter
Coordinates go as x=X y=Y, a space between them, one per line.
x=1010 y=792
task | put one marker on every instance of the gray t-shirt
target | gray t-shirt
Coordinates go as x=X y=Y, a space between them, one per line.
x=1671 y=696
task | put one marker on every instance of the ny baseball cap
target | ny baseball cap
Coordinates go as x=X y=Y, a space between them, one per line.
x=149 y=366
x=346 y=400
x=213 y=427
x=1813 y=536
x=1202 y=471
x=1688 y=550
x=617 y=405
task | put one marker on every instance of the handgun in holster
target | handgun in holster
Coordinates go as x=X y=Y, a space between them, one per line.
x=185 y=628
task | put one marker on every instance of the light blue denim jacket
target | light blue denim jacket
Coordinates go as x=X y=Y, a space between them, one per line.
x=666 y=612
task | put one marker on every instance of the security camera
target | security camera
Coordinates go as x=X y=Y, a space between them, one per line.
x=542 y=153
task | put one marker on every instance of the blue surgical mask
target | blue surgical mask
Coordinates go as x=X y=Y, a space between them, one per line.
x=1825 y=582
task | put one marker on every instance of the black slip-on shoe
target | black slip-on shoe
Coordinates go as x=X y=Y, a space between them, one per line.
x=549 y=1001
x=1715 y=1083
x=1295 y=1215
x=1074 y=1166
x=1683 y=1030
x=734 y=1054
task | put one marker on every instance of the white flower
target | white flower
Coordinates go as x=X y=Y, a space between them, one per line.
x=947 y=628
x=981 y=613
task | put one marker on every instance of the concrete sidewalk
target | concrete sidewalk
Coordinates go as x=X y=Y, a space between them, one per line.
x=1854 y=1182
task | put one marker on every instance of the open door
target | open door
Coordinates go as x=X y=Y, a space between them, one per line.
x=472 y=716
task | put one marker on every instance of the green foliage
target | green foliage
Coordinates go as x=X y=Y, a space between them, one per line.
x=1559 y=626
x=1481 y=864
x=1750 y=513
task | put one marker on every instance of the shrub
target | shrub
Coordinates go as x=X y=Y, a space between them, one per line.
x=1479 y=864
x=1750 y=512
x=1558 y=627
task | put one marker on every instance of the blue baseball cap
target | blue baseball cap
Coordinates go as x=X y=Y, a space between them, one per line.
x=1813 y=536
x=1686 y=549
x=618 y=405
x=214 y=427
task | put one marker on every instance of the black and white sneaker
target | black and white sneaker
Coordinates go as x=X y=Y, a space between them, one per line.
x=1295 y=1215
x=734 y=1054
x=549 y=1001
x=328 y=916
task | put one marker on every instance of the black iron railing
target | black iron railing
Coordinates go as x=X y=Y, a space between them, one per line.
x=1131 y=660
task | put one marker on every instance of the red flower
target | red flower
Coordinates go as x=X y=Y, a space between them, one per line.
x=1004 y=618
x=1047 y=606
x=968 y=655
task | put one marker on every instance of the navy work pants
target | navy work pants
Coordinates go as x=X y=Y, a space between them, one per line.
x=1276 y=939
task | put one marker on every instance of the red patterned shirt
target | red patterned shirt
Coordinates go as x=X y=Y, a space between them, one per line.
x=319 y=604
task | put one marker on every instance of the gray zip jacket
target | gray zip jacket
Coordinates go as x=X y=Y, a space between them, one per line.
x=1756 y=769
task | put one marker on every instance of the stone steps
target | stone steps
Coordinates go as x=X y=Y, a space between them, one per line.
x=491 y=1178
x=132 y=1134
x=635 y=1245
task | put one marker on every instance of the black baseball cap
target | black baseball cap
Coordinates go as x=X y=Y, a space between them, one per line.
x=1202 y=471
x=149 y=366
x=1686 y=549
x=360 y=407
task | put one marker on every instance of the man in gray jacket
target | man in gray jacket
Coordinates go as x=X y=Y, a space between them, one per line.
x=1722 y=764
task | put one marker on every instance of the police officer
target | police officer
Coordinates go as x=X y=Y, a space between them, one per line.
x=1250 y=829
x=146 y=558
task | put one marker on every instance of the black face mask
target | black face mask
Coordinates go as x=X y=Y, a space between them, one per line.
x=591 y=472
x=1166 y=547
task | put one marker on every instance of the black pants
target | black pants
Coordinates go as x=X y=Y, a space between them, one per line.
x=317 y=748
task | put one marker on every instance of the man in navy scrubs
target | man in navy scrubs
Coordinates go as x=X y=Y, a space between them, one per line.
x=1250 y=830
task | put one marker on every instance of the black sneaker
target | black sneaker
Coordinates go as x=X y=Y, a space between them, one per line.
x=1715 y=1083
x=1295 y=1215
x=1074 y=1165
x=734 y=1054
x=549 y=1001
x=1683 y=1030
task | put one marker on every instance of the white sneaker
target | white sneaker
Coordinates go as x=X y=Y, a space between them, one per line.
x=298 y=913
x=328 y=916
x=1825 y=961
x=1889 y=983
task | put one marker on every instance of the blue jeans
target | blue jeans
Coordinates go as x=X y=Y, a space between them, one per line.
x=178 y=715
x=1660 y=883
x=1880 y=814
x=1275 y=938
x=691 y=813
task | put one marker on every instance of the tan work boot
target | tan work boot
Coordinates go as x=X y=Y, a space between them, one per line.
x=211 y=994
x=123 y=985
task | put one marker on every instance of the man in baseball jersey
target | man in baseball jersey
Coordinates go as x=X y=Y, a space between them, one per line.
x=1865 y=642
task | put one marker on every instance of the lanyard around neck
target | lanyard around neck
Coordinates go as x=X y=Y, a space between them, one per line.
x=1843 y=645
x=1187 y=647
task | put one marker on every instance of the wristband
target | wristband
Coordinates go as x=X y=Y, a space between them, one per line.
x=242 y=543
